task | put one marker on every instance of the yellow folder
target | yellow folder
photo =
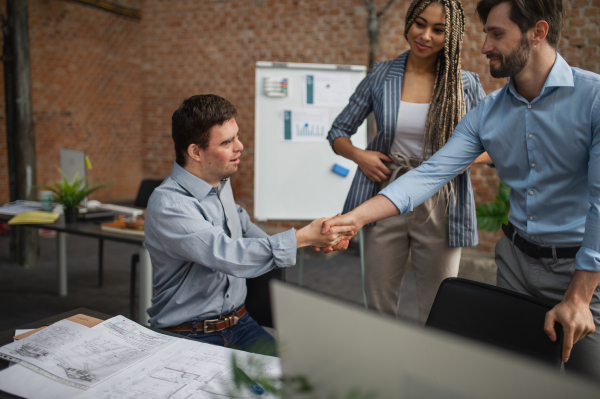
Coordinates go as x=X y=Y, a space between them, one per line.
x=34 y=218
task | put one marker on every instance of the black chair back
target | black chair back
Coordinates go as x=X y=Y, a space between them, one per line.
x=496 y=316
x=145 y=191
x=258 y=299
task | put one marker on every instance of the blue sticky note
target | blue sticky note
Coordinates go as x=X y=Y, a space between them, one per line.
x=340 y=170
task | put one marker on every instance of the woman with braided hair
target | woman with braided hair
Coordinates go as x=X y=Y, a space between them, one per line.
x=418 y=99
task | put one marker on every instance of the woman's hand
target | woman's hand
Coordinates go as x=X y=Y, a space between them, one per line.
x=370 y=162
x=311 y=235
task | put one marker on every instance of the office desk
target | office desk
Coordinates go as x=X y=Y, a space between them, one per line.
x=93 y=230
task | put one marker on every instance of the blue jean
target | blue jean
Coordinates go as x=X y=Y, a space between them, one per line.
x=247 y=335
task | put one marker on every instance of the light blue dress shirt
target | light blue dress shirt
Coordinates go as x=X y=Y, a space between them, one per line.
x=203 y=247
x=546 y=150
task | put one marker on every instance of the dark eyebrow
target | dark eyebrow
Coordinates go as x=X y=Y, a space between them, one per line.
x=231 y=139
x=491 y=28
x=426 y=21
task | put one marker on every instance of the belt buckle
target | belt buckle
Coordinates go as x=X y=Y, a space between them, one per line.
x=206 y=330
x=531 y=249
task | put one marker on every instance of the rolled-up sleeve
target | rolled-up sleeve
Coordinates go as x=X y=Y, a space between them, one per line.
x=192 y=238
x=588 y=257
x=420 y=184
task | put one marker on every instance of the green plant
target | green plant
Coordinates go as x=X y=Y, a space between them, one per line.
x=70 y=194
x=491 y=215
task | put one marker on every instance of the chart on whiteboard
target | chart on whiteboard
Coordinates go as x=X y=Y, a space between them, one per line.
x=305 y=124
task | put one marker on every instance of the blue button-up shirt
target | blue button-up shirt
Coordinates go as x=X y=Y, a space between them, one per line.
x=546 y=150
x=203 y=246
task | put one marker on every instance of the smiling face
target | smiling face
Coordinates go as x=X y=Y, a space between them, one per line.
x=426 y=35
x=506 y=47
x=222 y=156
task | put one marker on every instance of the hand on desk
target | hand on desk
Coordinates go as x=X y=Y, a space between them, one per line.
x=312 y=235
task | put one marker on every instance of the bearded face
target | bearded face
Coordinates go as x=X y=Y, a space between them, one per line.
x=511 y=64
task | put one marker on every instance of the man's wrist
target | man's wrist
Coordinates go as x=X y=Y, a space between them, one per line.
x=300 y=238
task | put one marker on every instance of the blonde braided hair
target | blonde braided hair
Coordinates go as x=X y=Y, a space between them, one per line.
x=448 y=101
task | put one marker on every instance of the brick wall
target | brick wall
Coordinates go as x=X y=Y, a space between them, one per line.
x=86 y=92
x=109 y=84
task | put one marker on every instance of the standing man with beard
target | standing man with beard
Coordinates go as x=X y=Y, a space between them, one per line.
x=542 y=129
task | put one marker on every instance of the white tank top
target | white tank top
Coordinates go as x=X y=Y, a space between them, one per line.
x=410 y=129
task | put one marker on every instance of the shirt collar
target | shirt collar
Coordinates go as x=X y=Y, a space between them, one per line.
x=561 y=75
x=194 y=185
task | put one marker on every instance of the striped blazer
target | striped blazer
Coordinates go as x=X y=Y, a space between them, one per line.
x=380 y=92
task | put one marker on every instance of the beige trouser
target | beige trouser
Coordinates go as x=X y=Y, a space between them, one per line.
x=387 y=248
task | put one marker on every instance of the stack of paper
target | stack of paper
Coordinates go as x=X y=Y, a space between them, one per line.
x=34 y=218
x=20 y=206
x=118 y=358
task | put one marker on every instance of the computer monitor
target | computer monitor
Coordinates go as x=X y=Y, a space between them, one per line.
x=339 y=347
x=72 y=163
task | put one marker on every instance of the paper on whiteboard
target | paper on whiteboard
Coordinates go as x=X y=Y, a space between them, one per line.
x=305 y=124
x=187 y=369
x=327 y=90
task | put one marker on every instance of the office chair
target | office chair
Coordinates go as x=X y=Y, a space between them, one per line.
x=258 y=298
x=496 y=316
x=141 y=201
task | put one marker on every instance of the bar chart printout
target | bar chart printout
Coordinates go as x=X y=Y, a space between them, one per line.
x=305 y=125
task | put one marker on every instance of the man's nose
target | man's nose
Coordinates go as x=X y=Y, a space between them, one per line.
x=486 y=48
x=240 y=146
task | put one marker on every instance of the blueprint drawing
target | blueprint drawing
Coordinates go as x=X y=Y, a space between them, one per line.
x=73 y=353
x=184 y=370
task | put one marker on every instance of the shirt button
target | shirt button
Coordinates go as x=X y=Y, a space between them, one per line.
x=530 y=217
x=531 y=136
x=531 y=192
x=533 y=165
x=227 y=296
x=528 y=105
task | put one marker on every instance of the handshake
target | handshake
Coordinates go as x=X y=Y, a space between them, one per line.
x=328 y=234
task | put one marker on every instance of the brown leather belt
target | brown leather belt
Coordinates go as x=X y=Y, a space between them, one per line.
x=213 y=325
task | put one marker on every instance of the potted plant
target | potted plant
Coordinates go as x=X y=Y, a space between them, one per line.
x=70 y=194
x=491 y=215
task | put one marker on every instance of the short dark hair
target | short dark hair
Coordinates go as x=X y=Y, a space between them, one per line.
x=526 y=13
x=192 y=121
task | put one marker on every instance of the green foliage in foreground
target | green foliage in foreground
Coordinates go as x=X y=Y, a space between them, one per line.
x=491 y=215
x=70 y=194
x=251 y=378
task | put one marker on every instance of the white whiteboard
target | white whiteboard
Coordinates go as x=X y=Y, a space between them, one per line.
x=293 y=180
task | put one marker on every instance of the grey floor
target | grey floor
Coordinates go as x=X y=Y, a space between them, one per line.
x=28 y=295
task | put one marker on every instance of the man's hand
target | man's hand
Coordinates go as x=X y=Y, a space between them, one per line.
x=333 y=223
x=337 y=236
x=573 y=313
x=370 y=162
x=577 y=322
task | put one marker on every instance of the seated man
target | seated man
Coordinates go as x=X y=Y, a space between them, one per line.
x=203 y=246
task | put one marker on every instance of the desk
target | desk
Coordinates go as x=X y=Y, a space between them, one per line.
x=93 y=230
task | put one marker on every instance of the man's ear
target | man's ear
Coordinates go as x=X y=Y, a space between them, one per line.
x=194 y=152
x=540 y=31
